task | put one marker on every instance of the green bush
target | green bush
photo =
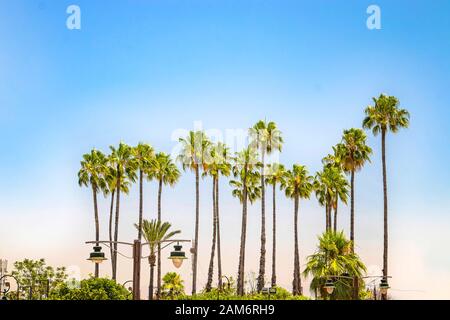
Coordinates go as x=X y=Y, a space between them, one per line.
x=91 y=289
x=230 y=294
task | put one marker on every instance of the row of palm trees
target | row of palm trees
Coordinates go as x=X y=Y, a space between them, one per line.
x=113 y=174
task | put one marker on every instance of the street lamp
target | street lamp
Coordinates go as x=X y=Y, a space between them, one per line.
x=384 y=286
x=329 y=286
x=97 y=256
x=177 y=256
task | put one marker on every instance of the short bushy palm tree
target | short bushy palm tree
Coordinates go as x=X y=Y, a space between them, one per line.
x=384 y=116
x=194 y=155
x=92 y=173
x=246 y=187
x=163 y=170
x=266 y=138
x=125 y=166
x=298 y=184
x=334 y=260
x=155 y=232
x=173 y=285
x=276 y=174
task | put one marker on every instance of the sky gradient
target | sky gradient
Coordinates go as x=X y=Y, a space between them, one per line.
x=142 y=70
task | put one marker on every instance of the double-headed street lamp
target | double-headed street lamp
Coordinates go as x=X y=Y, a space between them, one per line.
x=177 y=256
x=329 y=283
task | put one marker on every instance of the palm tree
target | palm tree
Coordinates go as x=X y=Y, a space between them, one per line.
x=334 y=260
x=93 y=167
x=276 y=174
x=111 y=181
x=298 y=184
x=353 y=153
x=122 y=160
x=265 y=137
x=219 y=166
x=165 y=172
x=246 y=188
x=221 y=157
x=155 y=232
x=143 y=154
x=331 y=186
x=194 y=156
x=341 y=193
x=383 y=117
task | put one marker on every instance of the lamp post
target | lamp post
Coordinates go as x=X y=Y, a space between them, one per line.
x=269 y=291
x=8 y=286
x=330 y=286
x=219 y=289
x=177 y=256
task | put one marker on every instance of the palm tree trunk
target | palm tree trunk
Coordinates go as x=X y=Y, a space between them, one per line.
x=141 y=203
x=116 y=226
x=152 y=275
x=352 y=210
x=111 y=247
x=296 y=285
x=335 y=216
x=213 y=245
x=326 y=217
x=158 y=284
x=385 y=244
x=274 y=237
x=219 y=254
x=262 y=258
x=97 y=224
x=240 y=279
x=197 y=217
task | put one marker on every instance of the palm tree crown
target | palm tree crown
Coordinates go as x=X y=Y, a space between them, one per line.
x=353 y=152
x=164 y=169
x=93 y=170
x=297 y=182
x=385 y=115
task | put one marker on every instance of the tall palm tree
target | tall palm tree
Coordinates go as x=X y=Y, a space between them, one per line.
x=111 y=181
x=219 y=166
x=193 y=156
x=165 y=172
x=331 y=186
x=383 y=117
x=222 y=157
x=298 y=184
x=334 y=257
x=93 y=167
x=143 y=155
x=246 y=188
x=265 y=137
x=333 y=160
x=122 y=160
x=276 y=175
x=155 y=232
x=353 y=153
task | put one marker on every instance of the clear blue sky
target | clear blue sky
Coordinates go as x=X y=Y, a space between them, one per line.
x=139 y=70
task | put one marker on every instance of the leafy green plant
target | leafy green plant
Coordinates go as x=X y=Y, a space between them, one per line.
x=36 y=278
x=173 y=286
x=91 y=289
